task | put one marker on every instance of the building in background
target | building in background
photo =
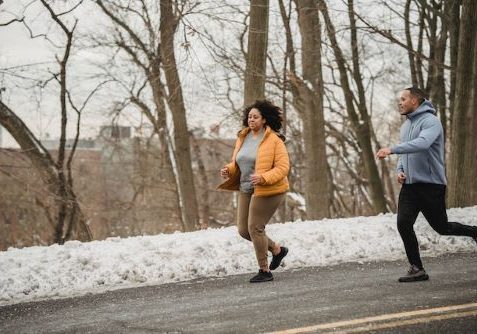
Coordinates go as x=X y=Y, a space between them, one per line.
x=122 y=181
x=107 y=135
x=115 y=132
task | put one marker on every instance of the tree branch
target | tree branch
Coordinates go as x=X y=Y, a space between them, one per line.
x=389 y=36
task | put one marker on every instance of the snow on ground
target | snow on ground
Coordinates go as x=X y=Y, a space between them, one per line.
x=78 y=268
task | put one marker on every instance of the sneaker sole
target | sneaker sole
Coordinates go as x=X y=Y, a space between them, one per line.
x=264 y=280
x=275 y=267
x=414 y=279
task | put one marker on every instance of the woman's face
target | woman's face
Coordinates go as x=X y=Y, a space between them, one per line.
x=255 y=120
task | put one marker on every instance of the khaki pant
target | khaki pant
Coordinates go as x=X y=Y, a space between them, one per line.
x=253 y=213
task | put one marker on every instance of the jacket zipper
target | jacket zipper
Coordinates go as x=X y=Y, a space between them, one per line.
x=265 y=134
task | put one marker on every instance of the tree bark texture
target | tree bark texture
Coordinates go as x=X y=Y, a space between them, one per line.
x=437 y=89
x=410 y=53
x=204 y=182
x=256 y=64
x=454 y=27
x=462 y=157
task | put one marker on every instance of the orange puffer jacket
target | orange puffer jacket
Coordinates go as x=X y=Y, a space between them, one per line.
x=272 y=164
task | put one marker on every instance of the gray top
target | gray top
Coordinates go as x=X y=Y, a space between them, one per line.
x=421 y=152
x=246 y=160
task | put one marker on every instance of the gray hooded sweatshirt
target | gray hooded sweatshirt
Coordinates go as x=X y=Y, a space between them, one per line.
x=421 y=152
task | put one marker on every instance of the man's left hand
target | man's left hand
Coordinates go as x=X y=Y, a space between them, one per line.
x=383 y=153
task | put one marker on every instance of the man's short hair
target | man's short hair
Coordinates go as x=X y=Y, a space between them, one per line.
x=417 y=92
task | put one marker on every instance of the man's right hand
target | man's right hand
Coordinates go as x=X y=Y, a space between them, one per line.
x=401 y=177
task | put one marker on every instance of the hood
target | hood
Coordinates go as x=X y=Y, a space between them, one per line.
x=425 y=106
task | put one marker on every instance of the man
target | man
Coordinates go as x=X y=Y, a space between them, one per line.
x=422 y=175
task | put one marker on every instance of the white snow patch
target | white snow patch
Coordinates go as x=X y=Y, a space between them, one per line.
x=78 y=268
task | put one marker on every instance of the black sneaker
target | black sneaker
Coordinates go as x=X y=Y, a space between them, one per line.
x=414 y=274
x=277 y=259
x=262 y=276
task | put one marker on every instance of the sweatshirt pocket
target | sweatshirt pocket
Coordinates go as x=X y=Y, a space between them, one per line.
x=418 y=168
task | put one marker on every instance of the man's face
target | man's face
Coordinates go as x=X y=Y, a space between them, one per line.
x=407 y=103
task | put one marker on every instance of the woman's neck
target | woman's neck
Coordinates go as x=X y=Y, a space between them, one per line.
x=256 y=133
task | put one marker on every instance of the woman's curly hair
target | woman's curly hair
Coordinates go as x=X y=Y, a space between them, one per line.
x=269 y=111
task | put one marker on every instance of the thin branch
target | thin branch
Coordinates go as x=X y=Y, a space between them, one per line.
x=12 y=21
x=54 y=16
x=389 y=36
x=70 y=10
x=123 y=25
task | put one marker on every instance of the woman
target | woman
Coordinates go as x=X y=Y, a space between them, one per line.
x=259 y=170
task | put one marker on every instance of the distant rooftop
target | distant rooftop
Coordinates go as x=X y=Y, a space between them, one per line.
x=106 y=133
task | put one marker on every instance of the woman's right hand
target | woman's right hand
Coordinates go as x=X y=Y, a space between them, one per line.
x=224 y=172
x=401 y=178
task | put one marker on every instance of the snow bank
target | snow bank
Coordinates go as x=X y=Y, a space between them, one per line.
x=77 y=268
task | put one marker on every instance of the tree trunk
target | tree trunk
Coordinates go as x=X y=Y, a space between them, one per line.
x=160 y=127
x=454 y=27
x=473 y=111
x=437 y=91
x=176 y=102
x=422 y=28
x=360 y=123
x=462 y=160
x=410 y=52
x=204 y=184
x=317 y=194
x=256 y=67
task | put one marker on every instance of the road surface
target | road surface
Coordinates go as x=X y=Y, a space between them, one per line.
x=347 y=298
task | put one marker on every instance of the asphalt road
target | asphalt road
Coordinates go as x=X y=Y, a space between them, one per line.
x=340 y=299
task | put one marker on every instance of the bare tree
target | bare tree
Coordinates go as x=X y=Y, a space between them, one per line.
x=56 y=174
x=433 y=27
x=151 y=49
x=356 y=104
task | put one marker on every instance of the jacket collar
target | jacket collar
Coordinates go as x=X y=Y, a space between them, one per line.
x=244 y=132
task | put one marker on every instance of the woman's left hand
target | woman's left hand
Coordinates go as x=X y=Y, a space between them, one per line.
x=256 y=179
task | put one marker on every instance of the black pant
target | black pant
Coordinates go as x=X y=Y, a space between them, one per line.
x=430 y=200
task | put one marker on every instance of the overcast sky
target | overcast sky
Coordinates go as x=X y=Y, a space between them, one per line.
x=200 y=76
x=17 y=49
